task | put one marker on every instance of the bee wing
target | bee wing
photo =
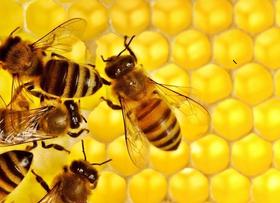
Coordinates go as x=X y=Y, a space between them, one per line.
x=53 y=196
x=24 y=131
x=20 y=100
x=63 y=36
x=182 y=104
x=136 y=142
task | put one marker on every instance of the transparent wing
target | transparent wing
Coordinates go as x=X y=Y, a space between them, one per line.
x=189 y=112
x=18 y=127
x=62 y=37
x=136 y=142
x=20 y=99
x=53 y=196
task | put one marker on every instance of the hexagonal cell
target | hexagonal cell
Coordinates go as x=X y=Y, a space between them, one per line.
x=188 y=185
x=169 y=162
x=12 y=12
x=44 y=15
x=210 y=154
x=233 y=45
x=172 y=16
x=151 y=49
x=266 y=187
x=266 y=119
x=251 y=155
x=117 y=151
x=191 y=49
x=254 y=16
x=148 y=182
x=95 y=152
x=212 y=16
x=94 y=13
x=130 y=17
x=232 y=119
x=173 y=75
x=253 y=83
x=117 y=191
x=267 y=49
x=230 y=186
x=212 y=83
x=113 y=120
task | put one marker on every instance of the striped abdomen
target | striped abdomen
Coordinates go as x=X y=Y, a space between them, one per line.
x=14 y=165
x=159 y=124
x=67 y=79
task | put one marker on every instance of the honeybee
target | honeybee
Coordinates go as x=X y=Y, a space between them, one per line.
x=74 y=184
x=14 y=165
x=24 y=58
x=45 y=122
x=147 y=106
x=59 y=78
x=67 y=79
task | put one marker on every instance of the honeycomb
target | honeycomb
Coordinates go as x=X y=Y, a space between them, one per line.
x=227 y=51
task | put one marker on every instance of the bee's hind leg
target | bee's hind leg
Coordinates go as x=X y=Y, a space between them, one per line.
x=34 y=145
x=77 y=134
x=55 y=146
x=42 y=182
x=111 y=104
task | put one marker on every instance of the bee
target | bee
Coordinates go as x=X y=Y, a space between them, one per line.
x=74 y=184
x=14 y=165
x=148 y=107
x=59 y=78
x=66 y=79
x=46 y=122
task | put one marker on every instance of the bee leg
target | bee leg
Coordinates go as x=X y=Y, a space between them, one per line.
x=58 y=56
x=34 y=145
x=85 y=120
x=71 y=134
x=105 y=60
x=89 y=64
x=55 y=146
x=110 y=104
x=105 y=82
x=42 y=182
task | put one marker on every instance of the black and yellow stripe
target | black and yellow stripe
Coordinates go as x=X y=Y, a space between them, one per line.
x=14 y=165
x=67 y=79
x=159 y=124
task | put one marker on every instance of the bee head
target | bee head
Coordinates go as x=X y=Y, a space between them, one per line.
x=117 y=66
x=86 y=170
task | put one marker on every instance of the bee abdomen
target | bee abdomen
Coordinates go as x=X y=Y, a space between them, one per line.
x=159 y=124
x=68 y=79
x=13 y=167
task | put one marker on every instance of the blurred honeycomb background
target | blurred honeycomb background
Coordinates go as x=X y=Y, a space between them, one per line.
x=228 y=52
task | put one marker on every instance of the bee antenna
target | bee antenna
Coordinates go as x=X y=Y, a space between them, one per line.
x=105 y=60
x=126 y=44
x=17 y=28
x=104 y=162
x=83 y=149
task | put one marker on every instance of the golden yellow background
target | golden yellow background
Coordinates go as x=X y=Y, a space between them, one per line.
x=228 y=52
